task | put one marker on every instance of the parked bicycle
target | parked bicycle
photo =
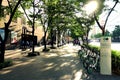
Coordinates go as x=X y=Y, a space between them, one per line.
x=90 y=58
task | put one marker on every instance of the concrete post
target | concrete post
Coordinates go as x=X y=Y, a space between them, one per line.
x=105 y=55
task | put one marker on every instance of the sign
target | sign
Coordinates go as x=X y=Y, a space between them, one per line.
x=105 y=55
x=13 y=37
x=29 y=38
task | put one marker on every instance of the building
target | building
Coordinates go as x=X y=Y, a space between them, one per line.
x=16 y=26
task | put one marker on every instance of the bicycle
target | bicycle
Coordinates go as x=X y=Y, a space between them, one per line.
x=94 y=62
x=90 y=58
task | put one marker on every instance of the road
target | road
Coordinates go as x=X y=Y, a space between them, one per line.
x=114 y=45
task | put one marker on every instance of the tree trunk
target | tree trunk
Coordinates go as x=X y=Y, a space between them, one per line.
x=2 y=47
x=0 y=8
x=33 y=28
x=87 y=36
x=44 y=40
x=33 y=45
x=83 y=40
x=58 y=38
x=2 y=52
x=103 y=32
x=0 y=3
x=52 y=38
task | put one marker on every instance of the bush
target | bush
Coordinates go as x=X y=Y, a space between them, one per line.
x=6 y=63
x=115 y=59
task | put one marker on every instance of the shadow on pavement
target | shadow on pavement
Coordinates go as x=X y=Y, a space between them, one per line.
x=58 y=64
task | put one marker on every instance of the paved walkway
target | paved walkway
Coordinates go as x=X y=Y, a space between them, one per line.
x=59 y=64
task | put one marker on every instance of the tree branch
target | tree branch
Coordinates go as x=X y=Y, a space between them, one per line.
x=98 y=22
x=38 y=2
x=1 y=39
x=38 y=12
x=0 y=7
x=10 y=19
x=13 y=12
x=25 y=13
x=9 y=6
x=110 y=13
x=1 y=3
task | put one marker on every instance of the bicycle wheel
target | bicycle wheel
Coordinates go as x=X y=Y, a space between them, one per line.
x=90 y=69
x=81 y=55
x=79 y=52
x=85 y=63
x=98 y=66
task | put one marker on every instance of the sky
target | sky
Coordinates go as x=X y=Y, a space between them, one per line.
x=114 y=18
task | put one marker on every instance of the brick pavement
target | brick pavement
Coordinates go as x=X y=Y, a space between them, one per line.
x=57 y=64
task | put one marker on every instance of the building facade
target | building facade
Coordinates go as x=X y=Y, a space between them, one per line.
x=17 y=25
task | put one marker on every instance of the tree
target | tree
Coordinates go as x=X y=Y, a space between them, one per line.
x=60 y=14
x=83 y=23
x=1 y=9
x=104 y=25
x=107 y=33
x=62 y=19
x=1 y=3
x=43 y=18
x=98 y=35
x=116 y=33
x=31 y=16
x=76 y=31
x=6 y=26
x=85 y=26
x=50 y=11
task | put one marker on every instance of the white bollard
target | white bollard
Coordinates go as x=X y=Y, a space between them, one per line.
x=105 y=56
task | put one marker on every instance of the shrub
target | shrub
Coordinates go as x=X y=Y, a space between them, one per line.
x=115 y=59
x=6 y=63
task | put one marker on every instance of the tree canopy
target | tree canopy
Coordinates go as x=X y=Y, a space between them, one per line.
x=116 y=32
x=60 y=16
